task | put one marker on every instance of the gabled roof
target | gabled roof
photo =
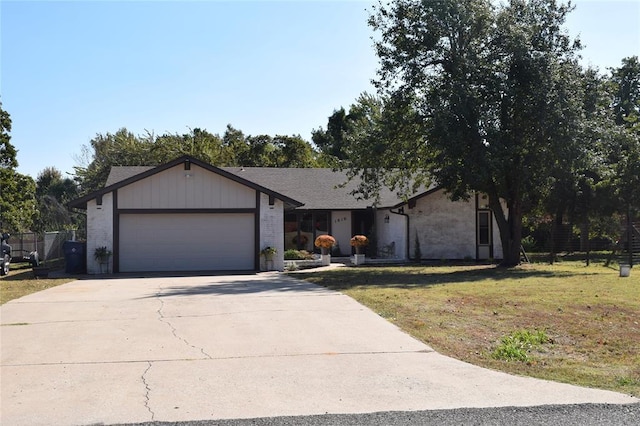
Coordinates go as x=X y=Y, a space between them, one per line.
x=122 y=176
x=306 y=188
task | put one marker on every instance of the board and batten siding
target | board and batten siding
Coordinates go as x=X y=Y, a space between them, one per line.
x=176 y=188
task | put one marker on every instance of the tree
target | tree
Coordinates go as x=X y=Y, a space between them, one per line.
x=8 y=153
x=198 y=143
x=294 y=152
x=17 y=201
x=572 y=195
x=53 y=192
x=235 y=146
x=616 y=127
x=261 y=152
x=331 y=141
x=625 y=83
x=123 y=148
x=495 y=93
x=625 y=151
x=599 y=190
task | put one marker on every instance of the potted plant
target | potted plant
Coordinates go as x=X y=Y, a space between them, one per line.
x=325 y=242
x=102 y=255
x=268 y=252
x=359 y=241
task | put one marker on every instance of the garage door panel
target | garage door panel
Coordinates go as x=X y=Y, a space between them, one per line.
x=186 y=242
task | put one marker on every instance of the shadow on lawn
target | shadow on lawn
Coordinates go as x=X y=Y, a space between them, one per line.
x=26 y=274
x=417 y=276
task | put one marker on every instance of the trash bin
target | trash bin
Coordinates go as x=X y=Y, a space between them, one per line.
x=74 y=257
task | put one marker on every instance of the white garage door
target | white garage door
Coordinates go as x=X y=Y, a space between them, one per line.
x=186 y=242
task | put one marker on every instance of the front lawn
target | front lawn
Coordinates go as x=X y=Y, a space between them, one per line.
x=21 y=282
x=586 y=319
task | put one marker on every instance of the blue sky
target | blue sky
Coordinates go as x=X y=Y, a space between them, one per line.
x=70 y=70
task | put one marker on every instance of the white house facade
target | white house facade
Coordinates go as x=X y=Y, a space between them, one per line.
x=187 y=215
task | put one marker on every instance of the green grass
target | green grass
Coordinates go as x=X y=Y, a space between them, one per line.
x=21 y=282
x=518 y=345
x=589 y=316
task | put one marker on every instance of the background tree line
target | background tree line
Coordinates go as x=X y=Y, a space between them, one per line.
x=40 y=205
x=233 y=148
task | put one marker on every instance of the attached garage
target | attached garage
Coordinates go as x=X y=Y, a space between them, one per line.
x=187 y=242
x=183 y=216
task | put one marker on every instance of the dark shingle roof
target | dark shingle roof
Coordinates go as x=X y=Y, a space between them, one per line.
x=317 y=188
x=120 y=173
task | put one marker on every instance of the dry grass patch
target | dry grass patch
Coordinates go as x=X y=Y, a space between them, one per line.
x=21 y=282
x=590 y=316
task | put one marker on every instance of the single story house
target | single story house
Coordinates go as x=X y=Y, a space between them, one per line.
x=187 y=215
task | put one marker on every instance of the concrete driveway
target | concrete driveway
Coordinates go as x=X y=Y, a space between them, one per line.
x=193 y=348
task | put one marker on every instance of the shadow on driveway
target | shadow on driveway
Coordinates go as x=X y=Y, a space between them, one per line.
x=274 y=285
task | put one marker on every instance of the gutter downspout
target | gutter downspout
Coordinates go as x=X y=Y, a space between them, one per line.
x=401 y=213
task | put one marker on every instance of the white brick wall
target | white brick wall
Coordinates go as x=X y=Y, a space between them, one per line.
x=99 y=231
x=271 y=232
x=446 y=229
x=391 y=231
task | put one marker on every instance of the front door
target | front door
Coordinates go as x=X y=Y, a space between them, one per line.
x=362 y=223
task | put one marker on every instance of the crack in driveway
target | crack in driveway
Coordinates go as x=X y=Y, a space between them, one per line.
x=174 y=331
x=147 y=391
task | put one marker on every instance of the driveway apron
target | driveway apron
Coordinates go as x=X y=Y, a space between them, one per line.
x=128 y=350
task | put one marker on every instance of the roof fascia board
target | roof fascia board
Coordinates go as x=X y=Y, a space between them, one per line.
x=82 y=201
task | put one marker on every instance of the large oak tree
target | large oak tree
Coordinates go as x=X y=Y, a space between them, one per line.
x=480 y=97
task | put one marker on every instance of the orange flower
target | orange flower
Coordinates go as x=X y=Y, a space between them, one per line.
x=359 y=241
x=325 y=241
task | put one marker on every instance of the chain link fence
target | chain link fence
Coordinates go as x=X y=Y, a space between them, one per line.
x=48 y=245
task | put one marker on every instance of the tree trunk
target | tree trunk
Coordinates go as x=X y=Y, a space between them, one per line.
x=556 y=234
x=512 y=255
x=510 y=229
x=585 y=244
x=584 y=235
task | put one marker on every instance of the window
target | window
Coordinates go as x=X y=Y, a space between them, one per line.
x=290 y=231
x=301 y=229
x=484 y=228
